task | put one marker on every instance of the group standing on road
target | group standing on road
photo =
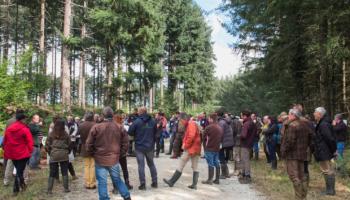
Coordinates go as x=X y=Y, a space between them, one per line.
x=104 y=142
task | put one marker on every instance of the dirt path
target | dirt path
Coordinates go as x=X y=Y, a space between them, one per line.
x=228 y=189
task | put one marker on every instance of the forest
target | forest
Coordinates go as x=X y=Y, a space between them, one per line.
x=294 y=51
x=82 y=54
x=85 y=54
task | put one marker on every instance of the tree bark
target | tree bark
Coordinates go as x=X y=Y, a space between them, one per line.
x=65 y=78
x=81 y=98
x=42 y=52
x=7 y=44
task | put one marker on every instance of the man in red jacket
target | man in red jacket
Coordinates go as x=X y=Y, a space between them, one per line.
x=18 y=147
x=248 y=134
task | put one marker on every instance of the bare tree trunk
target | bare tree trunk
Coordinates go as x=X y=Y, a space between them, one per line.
x=345 y=95
x=7 y=44
x=119 y=98
x=65 y=78
x=42 y=98
x=81 y=98
x=161 y=94
x=151 y=100
x=109 y=73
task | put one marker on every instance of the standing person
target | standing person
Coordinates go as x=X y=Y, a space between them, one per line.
x=180 y=132
x=264 y=127
x=73 y=132
x=173 y=126
x=132 y=117
x=144 y=131
x=106 y=142
x=248 y=133
x=35 y=131
x=340 y=129
x=227 y=144
x=325 y=148
x=89 y=163
x=204 y=121
x=78 y=139
x=282 y=118
x=258 y=124
x=18 y=146
x=119 y=118
x=236 y=129
x=192 y=149
x=58 y=146
x=212 y=142
x=271 y=143
x=295 y=143
x=159 y=132
x=7 y=162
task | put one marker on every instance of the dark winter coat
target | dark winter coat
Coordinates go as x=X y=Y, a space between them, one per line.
x=296 y=140
x=248 y=133
x=340 y=131
x=324 y=140
x=269 y=133
x=144 y=131
x=227 y=138
x=35 y=131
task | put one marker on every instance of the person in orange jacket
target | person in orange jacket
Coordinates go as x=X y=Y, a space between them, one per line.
x=191 y=145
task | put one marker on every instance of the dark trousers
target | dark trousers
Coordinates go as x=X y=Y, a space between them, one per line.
x=278 y=151
x=71 y=169
x=224 y=154
x=140 y=157
x=159 y=145
x=124 y=165
x=172 y=139
x=54 y=168
x=271 y=147
x=74 y=145
x=266 y=153
x=20 y=165
x=130 y=150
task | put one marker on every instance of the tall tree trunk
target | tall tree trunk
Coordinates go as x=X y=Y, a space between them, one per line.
x=119 y=97
x=65 y=78
x=7 y=44
x=109 y=74
x=42 y=52
x=345 y=94
x=81 y=98
x=323 y=63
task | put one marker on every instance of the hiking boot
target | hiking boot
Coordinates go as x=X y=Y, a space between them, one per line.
x=127 y=183
x=217 y=176
x=210 y=176
x=142 y=187
x=66 y=184
x=274 y=164
x=305 y=186
x=298 y=190
x=154 y=185
x=245 y=179
x=50 y=185
x=173 y=179
x=223 y=172
x=195 y=180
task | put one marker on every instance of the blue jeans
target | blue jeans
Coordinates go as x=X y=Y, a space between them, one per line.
x=271 y=148
x=35 y=158
x=340 y=149
x=140 y=157
x=212 y=158
x=256 y=147
x=101 y=176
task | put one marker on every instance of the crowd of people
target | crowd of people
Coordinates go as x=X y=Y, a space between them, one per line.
x=105 y=141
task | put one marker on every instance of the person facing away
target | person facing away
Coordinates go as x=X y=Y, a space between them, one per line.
x=325 y=147
x=18 y=146
x=89 y=163
x=58 y=146
x=341 y=130
x=212 y=139
x=295 y=143
x=106 y=142
x=35 y=131
x=144 y=130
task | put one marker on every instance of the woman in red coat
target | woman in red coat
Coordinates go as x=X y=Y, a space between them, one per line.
x=18 y=147
x=191 y=145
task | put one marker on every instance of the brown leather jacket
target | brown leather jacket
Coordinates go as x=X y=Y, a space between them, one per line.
x=106 y=142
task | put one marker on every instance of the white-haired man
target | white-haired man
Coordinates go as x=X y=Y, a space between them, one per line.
x=325 y=148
